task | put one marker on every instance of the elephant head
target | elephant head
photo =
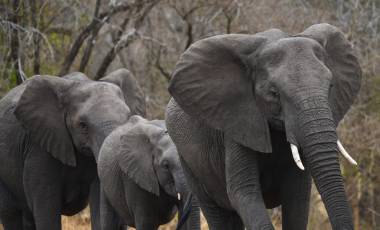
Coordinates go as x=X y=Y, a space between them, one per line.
x=74 y=114
x=145 y=153
x=302 y=84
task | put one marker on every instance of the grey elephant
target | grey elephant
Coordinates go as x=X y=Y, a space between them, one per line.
x=51 y=132
x=142 y=179
x=245 y=106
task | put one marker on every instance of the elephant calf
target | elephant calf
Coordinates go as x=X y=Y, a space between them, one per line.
x=142 y=180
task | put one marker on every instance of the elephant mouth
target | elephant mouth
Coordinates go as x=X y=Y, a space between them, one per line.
x=276 y=124
x=170 y=189
x=86 y=151
x=342 y=150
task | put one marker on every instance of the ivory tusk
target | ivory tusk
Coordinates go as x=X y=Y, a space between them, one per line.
x=178 y=196
x=345 y=153
x=296 y=156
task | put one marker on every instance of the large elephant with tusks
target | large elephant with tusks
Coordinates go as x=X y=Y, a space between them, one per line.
x=245 y=106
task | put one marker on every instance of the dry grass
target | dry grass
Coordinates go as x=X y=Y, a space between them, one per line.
x=82 y=221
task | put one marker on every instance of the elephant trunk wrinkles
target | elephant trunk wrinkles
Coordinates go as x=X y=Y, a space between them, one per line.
x=318 y=141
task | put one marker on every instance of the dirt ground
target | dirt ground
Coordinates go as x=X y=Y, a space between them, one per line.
x=81 y=221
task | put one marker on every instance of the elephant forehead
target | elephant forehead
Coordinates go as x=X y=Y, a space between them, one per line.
x=95 y=92
x=103 y=109
x=295 y=58
x=103 y=88
x=295 y=47
x=99 y=102
x=97 y=89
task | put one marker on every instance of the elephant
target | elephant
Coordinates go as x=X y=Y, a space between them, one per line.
x=142 y=179
x=244 y=106
x=51 y=132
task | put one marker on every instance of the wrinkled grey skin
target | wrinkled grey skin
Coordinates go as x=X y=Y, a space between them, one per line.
x=237 y=102
x=51 y=132
x=140 y=174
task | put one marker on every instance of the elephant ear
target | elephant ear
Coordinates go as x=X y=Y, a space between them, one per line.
x=343 y=64
x=133 y=94
x=214 y=82
x=136 y=157
x=41 y=112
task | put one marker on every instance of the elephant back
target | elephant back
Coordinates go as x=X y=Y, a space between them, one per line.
x=9 y=101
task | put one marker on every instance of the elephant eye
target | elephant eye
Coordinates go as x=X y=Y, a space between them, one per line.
x=165 y=164
x=83 y=126
x=274 y=92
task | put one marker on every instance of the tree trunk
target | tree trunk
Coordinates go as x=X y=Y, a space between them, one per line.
x=36 y=37
x=15 y=43
x=91 y=41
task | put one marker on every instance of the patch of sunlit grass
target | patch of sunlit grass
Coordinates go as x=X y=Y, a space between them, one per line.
x=82 y=221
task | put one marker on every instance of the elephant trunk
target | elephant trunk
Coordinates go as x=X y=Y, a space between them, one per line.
x=104 y=129
x=189 y=214
x=318 y=140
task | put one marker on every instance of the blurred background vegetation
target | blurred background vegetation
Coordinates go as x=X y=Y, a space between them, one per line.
x=55 y=37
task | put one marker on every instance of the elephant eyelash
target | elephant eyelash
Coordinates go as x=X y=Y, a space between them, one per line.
x=165 y=164
x=83 y=126
x=274 y=92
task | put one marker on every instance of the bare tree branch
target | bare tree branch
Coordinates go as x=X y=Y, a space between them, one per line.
x=189 y=34
x=90 y=42
x=122 y=41
x=186 y=18
x=36 y=38
x=15 y=46
x=160 y=68
x=59 y=30
x=230 y=12
x=95 y=26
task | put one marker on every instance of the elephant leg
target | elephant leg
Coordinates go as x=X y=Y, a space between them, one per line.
x=10 y=215
x=217 y=217
x=144 y=220
x=221 y=219
x=142 y=225
x=28 y=221
x=42 y=180
x=12 y=220
x=295 y=195
x=109 y=219
x=243 y=186
x=94 y=204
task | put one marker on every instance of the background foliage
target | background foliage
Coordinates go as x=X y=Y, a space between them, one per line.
x=147 y=36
